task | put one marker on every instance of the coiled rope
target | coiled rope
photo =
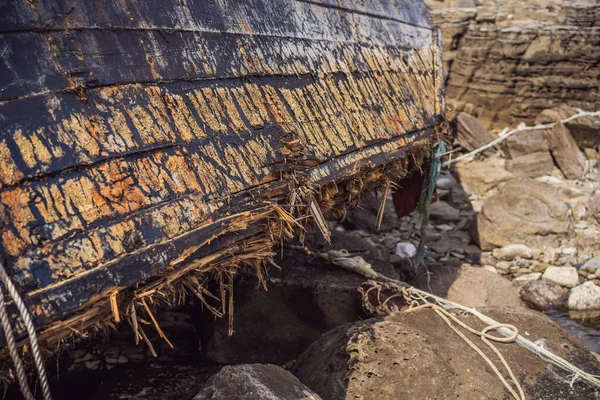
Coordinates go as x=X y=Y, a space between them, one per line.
x=8 y=333
x=357 y=264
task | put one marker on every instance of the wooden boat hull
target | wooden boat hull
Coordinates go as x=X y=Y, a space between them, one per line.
x=142 y=141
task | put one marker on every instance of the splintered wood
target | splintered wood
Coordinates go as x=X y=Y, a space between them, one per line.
x=141 y=143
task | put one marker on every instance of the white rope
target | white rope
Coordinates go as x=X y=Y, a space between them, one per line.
x=359 y=265
x=24 y=312
x=521 y=128
x=12 y=349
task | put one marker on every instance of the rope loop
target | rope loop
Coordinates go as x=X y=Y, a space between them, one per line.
x=503 y=339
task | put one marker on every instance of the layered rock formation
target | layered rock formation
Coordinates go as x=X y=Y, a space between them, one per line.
x=506 y=61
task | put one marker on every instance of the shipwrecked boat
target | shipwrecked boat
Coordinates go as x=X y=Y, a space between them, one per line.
x=147 y=149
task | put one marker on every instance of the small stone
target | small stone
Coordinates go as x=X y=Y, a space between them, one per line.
x=488 y=260
x=541 y=267
x=524 y=263
x=597 y=273
x=92 y=364
x=446 y=182
x=591 y=277
x=522 y=271
x=579 y=212
x=569 y=251
x=581 y=225
x=564 y=276
x=523 y=280
x=512 y=251
x=585 y=297
x=441 y=213
x=549 y=255
x=593 y=264
x=503 y=266
x=405 y=249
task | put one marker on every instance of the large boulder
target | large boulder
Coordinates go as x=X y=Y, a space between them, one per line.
x=416 y=355
x=471 y=134
x=469 y=286
x=568 y=157
x=255 y=382
x=531 y=165
x=479 y=177
x=524 y=143
x=526 y=212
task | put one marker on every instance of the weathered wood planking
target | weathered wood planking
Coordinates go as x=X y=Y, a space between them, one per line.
x=128 y=128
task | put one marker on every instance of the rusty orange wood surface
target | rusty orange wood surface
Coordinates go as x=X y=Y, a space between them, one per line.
x=130 y=129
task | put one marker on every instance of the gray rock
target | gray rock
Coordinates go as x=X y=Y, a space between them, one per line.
x=585 y=297
x=525 y=211
x=416 y=355
x=255 y=382
x=441 y=212
x=513 y=251
x=544 y=295
x=446 y=181
x=564 y=276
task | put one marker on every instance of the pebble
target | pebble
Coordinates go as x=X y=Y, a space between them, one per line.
x=513 y=251
x=581 y=225
x=405 y=249
x=503 y=266
x=593 y=264
x=579 y=212
x=524 y=271
x=569 y=251
x=549 y=255
x=523 y=280
x=541 y=267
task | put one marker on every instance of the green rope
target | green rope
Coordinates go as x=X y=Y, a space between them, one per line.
x=427 y=194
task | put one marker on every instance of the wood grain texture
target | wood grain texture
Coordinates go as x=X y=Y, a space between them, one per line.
x=131 y=130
